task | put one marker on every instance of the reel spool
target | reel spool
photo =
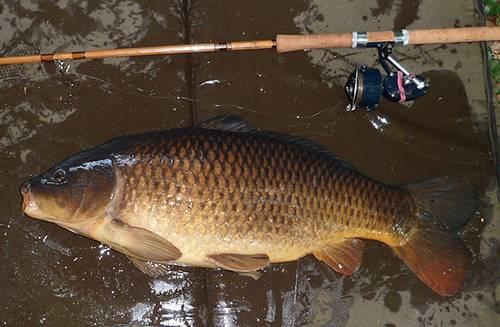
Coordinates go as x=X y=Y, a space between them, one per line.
x=365 y=86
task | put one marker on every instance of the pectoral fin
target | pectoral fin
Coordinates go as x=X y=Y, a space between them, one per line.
x=255 y=275
x=239 y=262
x=153 y=269
x=344 y=257
x=138 y=242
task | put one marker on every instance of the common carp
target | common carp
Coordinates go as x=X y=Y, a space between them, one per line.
x=225 y=195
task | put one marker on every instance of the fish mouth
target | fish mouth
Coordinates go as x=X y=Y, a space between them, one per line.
x=29 y=206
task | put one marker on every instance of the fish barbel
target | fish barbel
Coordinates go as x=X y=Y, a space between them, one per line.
x=224 y=195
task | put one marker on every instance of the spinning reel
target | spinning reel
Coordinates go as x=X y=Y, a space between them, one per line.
x=365 y=85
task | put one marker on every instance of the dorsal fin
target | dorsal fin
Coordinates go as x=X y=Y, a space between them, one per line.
x=231 y=123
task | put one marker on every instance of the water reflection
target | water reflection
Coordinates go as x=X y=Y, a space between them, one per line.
x=379 y=122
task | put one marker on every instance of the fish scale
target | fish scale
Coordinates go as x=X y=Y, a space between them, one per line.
x=234 y=186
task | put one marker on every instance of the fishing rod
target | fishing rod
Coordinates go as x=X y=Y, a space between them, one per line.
x=364 y=87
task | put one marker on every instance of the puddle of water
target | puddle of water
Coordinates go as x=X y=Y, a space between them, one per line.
x=51 y=276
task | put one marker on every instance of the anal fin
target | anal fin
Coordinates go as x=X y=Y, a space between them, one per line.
x=239 y=262
x=344 y=257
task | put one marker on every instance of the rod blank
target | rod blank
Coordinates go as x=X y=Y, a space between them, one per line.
x=142 y=51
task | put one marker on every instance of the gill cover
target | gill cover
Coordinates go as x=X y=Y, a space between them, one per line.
x=74 y=190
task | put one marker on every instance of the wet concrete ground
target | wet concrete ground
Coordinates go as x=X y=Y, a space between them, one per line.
x=52 y=277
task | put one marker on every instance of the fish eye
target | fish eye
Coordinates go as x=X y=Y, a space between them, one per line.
x=59 y=176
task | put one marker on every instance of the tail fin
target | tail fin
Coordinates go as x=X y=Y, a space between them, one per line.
x=440 y=260
x=432 y=249
x=447 y=203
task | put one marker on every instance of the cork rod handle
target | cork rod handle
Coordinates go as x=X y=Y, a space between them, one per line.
x=286 y=43
x=454 y=35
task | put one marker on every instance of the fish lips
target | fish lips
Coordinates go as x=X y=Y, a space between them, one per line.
x=29 y=205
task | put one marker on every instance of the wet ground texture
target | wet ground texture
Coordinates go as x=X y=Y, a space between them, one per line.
x=49 y=276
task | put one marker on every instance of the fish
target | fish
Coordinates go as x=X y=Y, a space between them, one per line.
x=224 y=194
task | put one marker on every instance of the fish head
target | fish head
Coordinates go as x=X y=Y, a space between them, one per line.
x=73 y=191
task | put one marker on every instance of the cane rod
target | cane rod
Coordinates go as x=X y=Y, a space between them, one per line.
x=283 y=43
